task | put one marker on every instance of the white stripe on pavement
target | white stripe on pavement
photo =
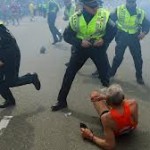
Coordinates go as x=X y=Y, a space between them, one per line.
x=4 y=123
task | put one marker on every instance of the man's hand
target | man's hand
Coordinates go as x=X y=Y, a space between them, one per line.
x=87 y=133
x=141 y=35
x=1 y=63
x=86 y=44
x=98 y=43
x=97 y=96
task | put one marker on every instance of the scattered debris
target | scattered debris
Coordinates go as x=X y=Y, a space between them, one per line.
x=68 y=114
x=42 y=50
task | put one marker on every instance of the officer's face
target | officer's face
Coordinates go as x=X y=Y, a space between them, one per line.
x=90 y=10
x=131 y=3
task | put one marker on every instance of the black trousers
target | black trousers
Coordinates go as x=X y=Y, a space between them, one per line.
x=124 y=40
x=9 y=73
x=55 y=32
x=77 y=60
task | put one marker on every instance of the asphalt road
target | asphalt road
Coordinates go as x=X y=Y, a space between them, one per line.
x=34 y=127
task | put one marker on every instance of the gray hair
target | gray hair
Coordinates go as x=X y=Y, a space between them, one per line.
x=115 y=94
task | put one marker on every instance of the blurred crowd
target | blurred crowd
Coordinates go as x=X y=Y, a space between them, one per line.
x=12 y=11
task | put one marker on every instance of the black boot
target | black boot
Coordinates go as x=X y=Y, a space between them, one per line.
x=9 y=99
x=36 y=81
x=59 y=106
x=8 y=104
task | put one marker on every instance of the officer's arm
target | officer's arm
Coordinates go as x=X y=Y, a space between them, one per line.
x=70 y=37
x=145 y=26
x=111 y=30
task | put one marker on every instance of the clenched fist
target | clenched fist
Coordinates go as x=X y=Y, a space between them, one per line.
x=86 y=44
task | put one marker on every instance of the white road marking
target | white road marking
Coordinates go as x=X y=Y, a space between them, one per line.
x=4 y=123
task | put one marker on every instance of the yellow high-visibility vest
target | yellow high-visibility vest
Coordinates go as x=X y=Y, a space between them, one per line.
x=95 y=29
x=128 y=23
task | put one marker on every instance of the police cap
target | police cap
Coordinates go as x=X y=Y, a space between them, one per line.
x=90 y=3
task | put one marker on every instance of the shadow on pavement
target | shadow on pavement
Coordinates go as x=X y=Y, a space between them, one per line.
x=20 y=129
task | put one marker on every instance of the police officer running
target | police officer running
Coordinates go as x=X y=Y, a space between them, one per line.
x=132 y=27
x=89 y=33
x=9 y=68
x=53 y=8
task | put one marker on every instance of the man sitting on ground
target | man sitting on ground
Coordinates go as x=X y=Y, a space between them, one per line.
x=118 y=116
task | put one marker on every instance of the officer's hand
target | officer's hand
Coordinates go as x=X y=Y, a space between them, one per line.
x=98 y=43
x=85 y=44
x=141 y=35
x=1 y=63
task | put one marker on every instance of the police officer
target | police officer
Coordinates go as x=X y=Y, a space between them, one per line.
x=132 y=27
x=52 y=14
x=69 y=9
x=9 y=68
x=89 y=33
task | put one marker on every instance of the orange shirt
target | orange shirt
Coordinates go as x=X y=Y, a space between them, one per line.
x=123 y=121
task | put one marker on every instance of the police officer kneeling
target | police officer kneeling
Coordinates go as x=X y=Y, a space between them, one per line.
x=89 y=32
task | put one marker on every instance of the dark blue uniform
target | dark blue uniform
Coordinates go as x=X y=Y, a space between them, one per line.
x=10 y=56
x=124 y=40
x=52 y=14
x=79 y=57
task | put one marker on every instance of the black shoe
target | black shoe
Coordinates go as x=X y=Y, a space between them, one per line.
x=36 y=81
x=59 y=106
x=8 y=104
x=140 y=81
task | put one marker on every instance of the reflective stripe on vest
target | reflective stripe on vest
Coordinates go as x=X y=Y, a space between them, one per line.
x=128 y=23
x=95 y=29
